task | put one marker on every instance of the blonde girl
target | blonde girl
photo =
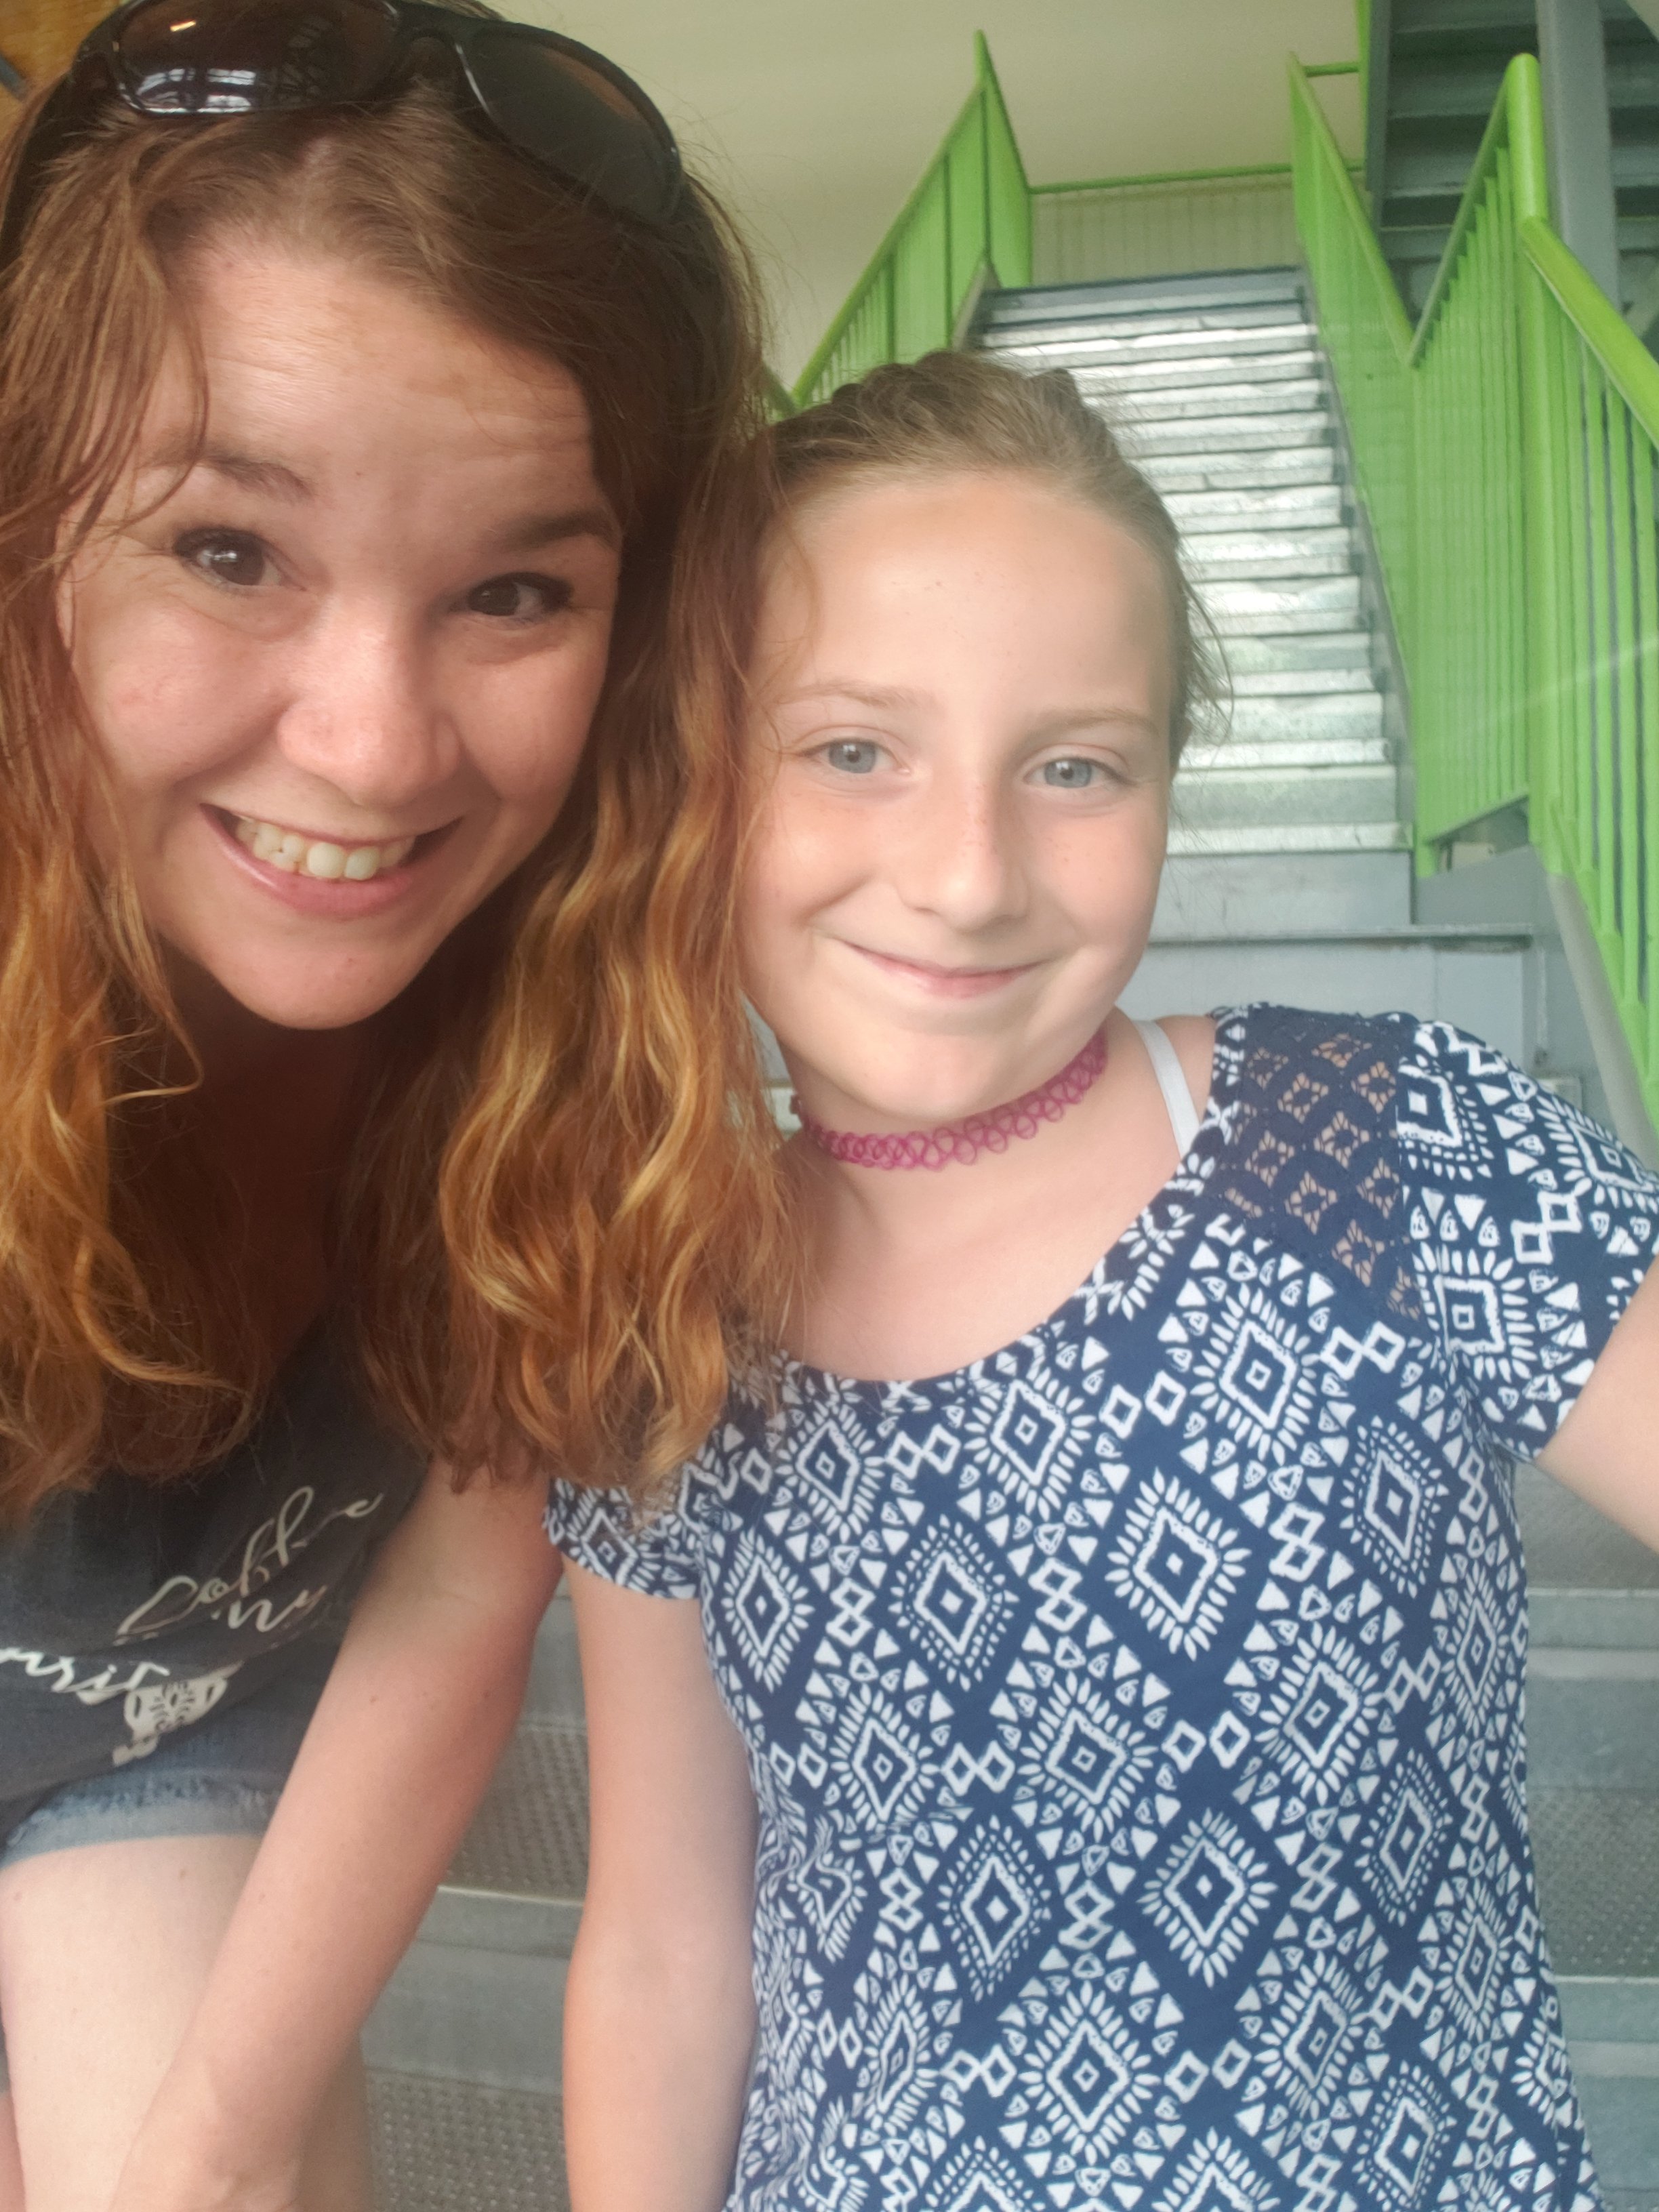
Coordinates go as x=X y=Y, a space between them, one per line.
x=1061 y=1745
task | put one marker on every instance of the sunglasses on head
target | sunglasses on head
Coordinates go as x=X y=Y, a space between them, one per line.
x=561 y=106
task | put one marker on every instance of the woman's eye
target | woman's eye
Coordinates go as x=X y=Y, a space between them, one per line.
x=229 y=556
x=1071 y=775
x=851 y=756
x=519 y=598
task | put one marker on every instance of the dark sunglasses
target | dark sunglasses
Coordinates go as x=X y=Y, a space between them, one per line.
x=561 y=106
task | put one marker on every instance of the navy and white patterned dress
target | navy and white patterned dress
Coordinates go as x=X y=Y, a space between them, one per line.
x=1136 y=1715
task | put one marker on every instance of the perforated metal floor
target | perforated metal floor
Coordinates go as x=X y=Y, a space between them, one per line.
x=1569 y=1546
x=531 y=1835
x=447 y=2147
x=1597 y=1852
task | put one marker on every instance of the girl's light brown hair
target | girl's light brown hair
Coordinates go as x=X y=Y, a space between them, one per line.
x=951 y=413
x=558 y=1200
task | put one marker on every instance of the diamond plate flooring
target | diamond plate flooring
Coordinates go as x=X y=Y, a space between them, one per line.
x=531 y=1835
x=450 y=2147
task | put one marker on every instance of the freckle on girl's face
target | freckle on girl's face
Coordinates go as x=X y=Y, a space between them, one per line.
x=961 y=755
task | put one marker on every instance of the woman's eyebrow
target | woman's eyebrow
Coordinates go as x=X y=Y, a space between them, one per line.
x=535 y=531
x=182 y=454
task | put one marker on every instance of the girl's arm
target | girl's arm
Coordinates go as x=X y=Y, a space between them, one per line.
x=1607 y=1448
x=422 y=1699
x=659 y=2009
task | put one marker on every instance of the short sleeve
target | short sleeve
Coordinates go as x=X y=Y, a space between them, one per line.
x=605 y=1532
x=1531 y=1227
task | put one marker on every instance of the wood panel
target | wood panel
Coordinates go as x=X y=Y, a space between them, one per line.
x=37 y=37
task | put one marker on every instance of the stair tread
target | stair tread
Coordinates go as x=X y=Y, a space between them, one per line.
x=1597 y=1855
x=443 y=2146
x=1152 y=338
x=529 y=1837
x=1569 y=1546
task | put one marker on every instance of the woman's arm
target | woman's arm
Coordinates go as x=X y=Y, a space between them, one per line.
x=1607 y=1448
x=419 y=1704
x=659 y=2009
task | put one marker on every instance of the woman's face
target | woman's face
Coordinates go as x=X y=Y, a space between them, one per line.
x=342 y=674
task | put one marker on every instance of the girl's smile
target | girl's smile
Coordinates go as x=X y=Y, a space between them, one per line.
x=944 y=982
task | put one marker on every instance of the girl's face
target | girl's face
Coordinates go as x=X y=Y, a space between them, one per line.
x=342 y=673
x=961 y=747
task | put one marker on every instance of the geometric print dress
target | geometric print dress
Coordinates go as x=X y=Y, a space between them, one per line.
x=1136 y=1715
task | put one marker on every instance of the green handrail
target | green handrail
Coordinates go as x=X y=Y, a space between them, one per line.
x=1593 y=415
x=1508 y=451
x=967 y=224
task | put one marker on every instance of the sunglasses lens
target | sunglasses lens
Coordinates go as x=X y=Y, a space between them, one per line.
x=573 y=120
x=229 y=57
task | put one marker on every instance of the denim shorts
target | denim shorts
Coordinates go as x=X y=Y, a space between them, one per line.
x=220 y=1777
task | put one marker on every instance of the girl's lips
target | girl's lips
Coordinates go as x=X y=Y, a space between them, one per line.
x=944 y=982
x=339 y=899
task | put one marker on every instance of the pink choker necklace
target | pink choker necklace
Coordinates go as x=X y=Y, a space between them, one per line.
x=958 y=1144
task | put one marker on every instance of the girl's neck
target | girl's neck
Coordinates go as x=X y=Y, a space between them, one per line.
x=917 y=1272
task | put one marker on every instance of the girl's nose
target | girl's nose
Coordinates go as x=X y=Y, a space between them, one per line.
x=962 y=859
x=365 y=716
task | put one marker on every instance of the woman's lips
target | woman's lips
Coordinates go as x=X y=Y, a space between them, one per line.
x=278 y=869
x=941 y=982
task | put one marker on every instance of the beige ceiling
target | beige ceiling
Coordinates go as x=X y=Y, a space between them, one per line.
x=815 y=120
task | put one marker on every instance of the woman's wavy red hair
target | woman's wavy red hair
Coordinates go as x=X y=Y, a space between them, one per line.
x=560 y=1201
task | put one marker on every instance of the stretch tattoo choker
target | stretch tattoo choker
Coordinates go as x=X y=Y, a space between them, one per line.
x=958 y=1144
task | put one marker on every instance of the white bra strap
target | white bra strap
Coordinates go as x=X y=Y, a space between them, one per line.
x=1172 y=1082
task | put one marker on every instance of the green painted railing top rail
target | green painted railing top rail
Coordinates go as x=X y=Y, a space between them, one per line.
x=967 y=224
x=1506 y=450
x=965 y=227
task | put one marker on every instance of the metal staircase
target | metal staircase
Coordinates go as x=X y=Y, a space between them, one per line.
x=1436 y=66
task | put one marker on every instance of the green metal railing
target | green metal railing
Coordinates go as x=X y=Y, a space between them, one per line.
x=967 y=224
x=1594 y=611
x=1506 y=450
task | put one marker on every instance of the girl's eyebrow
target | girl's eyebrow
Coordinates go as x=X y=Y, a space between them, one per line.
x=1089 y=718
x=877 y=695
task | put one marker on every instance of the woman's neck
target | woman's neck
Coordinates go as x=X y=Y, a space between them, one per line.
x=272 y=1113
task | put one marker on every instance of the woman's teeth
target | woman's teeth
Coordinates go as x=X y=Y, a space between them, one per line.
x=307 y=856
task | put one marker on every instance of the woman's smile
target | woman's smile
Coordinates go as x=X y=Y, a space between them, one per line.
x=339 y=876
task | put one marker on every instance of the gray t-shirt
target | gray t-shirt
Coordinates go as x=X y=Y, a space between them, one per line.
x=134 y=1607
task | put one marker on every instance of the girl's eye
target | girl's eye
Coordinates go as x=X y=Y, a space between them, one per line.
x=851 y=756
x=519 y=598
x=229 y=556
x=1071 y=775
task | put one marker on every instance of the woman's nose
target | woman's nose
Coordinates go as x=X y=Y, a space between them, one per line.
x=365 y=714
x=962 y=860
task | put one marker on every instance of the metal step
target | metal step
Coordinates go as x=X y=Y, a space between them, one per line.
x=1211 y=371
x=1240 y=607
x=1147 y=337
x=1276 y=657
x=1173 y=294
x=1280 y=894
x=1234 y=436
x=1296 y=506
x=1590 y=1585
x=1173 y=474
x=1478 y=983
x=1249 y=554
x=1332 y=722
x=1205 y=406
x=454 y=2147
x=1191 y=841
x=1326 y=679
